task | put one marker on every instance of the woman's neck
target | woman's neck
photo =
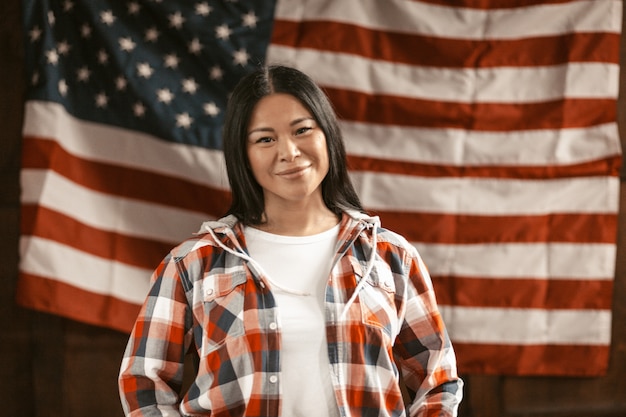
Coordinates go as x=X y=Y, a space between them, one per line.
x=298 y=221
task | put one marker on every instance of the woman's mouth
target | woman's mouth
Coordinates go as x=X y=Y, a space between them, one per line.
x=293 y=173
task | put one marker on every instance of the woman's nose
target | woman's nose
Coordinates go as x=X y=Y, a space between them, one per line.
x=288 y=148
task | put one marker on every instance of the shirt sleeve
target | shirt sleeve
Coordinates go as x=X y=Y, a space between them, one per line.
x=423 y=349
x=151 y=372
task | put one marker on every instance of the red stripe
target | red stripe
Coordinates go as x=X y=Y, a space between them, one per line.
x=523 y=293
x=502 y=117
x=548 y=360
x=54 y=297
x=48 y=224
x=439 y=228
x=419 y=50
x=599 y=167
x=123 y=181
x=493 y=4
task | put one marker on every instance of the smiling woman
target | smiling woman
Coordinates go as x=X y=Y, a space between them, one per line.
x=288 y=157
x=295 y=280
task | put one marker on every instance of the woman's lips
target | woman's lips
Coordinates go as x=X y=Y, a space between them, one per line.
x=293 y=172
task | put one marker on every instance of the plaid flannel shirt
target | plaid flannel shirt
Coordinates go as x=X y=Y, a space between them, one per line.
x=208 y=295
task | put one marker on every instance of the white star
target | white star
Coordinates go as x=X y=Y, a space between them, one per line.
x=127 y=44
x=176 y=20
x=203 y=9
x=241 y=57
x=216 y=73
x=190 y=85
x=63 y=47
x=250 y=20
x=83 y=74
x=171 y=61
x=103 y=57
x=195 y=46
x=107 y=17
x=51 y=18
x=133 y=8
x=211 y=109
x=183 y=120
x=144 y=70
x=63 y=88
x=52 y=56
x=139 y=109
x=85 y=31
x=120 y=83
x=35 y=34
x=152 y=35
x=68 y=5
x=102 y=100
x=222 y=32
x=165 y=95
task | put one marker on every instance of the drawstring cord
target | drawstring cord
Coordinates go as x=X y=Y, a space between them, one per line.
x=368 y=270
x=256 y=267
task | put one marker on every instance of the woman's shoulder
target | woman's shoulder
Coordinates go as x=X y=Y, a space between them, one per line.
x=213 y=234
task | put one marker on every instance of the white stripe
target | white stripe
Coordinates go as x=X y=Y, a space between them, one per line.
x=476 y=148
x=465 y=85
x=104 y=211
x=416 y=17
x=553 y=261
x=486 y=196
x=509 y=326
x=117 y=146
x=62 y=263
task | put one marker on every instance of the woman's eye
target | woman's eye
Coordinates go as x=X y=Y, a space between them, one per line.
x=303 y=130
x=265 y=139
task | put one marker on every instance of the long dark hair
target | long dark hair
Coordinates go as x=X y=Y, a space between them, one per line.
x=247 y=195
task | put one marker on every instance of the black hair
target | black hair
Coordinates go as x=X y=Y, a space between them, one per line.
x=247 y=195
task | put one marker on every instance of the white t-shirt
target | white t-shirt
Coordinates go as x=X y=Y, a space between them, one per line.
x=298 y=268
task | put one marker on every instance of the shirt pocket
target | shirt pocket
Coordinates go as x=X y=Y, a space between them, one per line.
x=223 y=303
x=377 y=300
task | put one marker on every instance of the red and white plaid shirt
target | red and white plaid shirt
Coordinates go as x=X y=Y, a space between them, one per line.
x=207 y=293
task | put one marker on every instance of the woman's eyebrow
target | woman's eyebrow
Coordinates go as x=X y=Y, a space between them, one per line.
x=260 y=129
x=300 y=119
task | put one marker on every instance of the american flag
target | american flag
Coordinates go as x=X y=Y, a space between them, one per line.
x=483 y=131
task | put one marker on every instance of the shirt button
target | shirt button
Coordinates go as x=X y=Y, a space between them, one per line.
x=273 y=379
x=209 y=291
x=273 y=326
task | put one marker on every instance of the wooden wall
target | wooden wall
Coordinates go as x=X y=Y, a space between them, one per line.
x=52 y=367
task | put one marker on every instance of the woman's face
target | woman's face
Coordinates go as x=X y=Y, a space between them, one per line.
x=287 y=151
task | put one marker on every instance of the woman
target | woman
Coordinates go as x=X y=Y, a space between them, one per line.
x=297 y=303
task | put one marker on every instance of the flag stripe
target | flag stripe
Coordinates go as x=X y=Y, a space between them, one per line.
x=394 y=110
x=123 y=181
x=494 y=4
x=378 y=191
x=528 y=326
x=523 y=293
x=399 y=47
x=107 y=277
x=459 y=147
x=466 y=85
x=420 y=17
x=512 y=359
x=37 y=220
x=592 y=168
x=56 y=297
x=122 y=147
x=521 y=260
x=471 y=229
x=108 y=212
